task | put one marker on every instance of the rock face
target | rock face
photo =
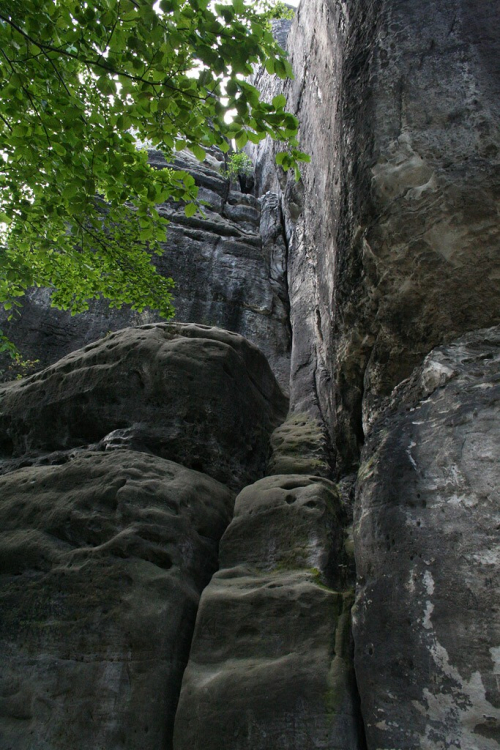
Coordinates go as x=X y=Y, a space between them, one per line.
x=102 y=563
x=299 y=446
x=427 y=625
x=193 y=394
x=229 y=271
x=393 y=249
x=393 y=232
x=106 y=542
x=270 y=665
x=386 y=249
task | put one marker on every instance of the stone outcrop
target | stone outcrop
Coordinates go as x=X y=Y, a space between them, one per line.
x=393 y=249
x=229 y=266
x=378 y=275
x=270 y=665
x=102 y=561
x=197 y=395
x=299 y=446
x=106 y=542
x=427 y=625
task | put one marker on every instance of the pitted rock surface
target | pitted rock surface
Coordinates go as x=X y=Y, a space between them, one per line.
x=270 y=665
x=427 y=623
x=102 y=561
x=200 y=396
x=300 y=446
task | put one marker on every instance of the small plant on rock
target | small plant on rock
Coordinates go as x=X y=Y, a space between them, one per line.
x=238 y=165
x=18 y=368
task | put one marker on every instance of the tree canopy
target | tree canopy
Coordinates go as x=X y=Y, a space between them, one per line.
x=80 y=81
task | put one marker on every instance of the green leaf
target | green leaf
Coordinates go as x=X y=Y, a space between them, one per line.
x=279 y=101
x=269 y=66
x=190 y=209
x=70 y=190
x=281 y=69
x=58 y=148
x=198 y=152
x=241 y=138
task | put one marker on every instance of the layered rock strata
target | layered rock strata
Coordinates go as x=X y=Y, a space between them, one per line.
x=427 y=623
x=228 y=263
x=106 y=541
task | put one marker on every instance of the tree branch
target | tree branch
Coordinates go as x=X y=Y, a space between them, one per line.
x=6 y=122
x=96 y=63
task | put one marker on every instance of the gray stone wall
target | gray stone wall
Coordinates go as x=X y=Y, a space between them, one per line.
x=393 y=231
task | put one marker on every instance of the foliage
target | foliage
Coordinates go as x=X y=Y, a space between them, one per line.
x=80 y=80
x=238 y=164
x=6 y=346
x=18 y=368
x=281 y=10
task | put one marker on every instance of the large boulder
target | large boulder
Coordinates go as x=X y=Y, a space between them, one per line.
x=102 y=562
x=427 y=625
x=106 y=543
x=270 y=665
x=200 y=396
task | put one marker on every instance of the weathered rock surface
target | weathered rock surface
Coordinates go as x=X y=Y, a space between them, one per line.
x=200 y=396
x=427 y=624
x=299 y=446
x=229 y=272
x=270 y=665
x=390 y=249
x=106 y=544
x=102 y=561
x=393 y=234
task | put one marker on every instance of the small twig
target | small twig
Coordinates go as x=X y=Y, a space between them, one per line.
x=7 y=123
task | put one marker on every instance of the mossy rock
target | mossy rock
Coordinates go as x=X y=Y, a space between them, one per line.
x=299 y=447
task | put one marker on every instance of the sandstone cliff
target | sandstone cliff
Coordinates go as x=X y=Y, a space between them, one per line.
x=229 y=265
x=393 y=248
x=347 y=599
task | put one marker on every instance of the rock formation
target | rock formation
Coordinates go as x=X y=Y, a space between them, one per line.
x=103 y=559
x=393 y=248
x=106 y=541
x=193 y=394
x=427 y=624
x=270 y=664
x=372 y=285
x=229 y=266
x=393 y=232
